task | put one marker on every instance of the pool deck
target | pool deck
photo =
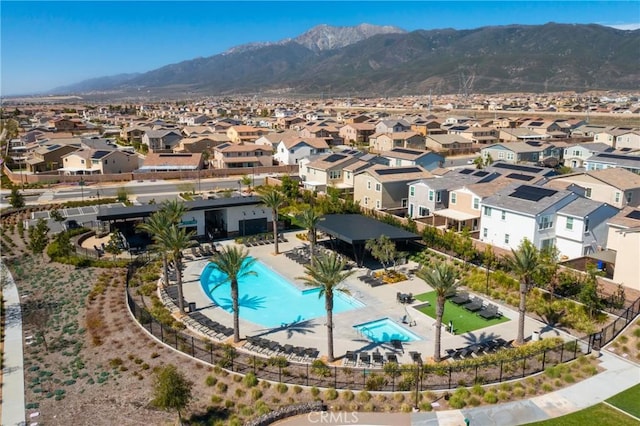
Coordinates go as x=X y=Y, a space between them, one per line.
x=380 y=303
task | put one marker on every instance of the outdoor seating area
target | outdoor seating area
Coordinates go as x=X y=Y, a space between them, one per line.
x=370 y=279
x=205 y=325
x=404 y=298
x=272 y=348
x=261 y=240
x=477 y=305
x=460 y=298
x=478 y=349
x=366 y=359
x=302 y=255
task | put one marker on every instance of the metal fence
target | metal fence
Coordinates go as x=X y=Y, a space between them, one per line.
x=608 y=333
x=406 y=377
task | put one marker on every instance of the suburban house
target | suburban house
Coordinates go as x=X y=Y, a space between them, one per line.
x=605 y=160
x=326 y=171
x=48 y=156
x=328 y=130
x=134 y=133
x=161 y=140
x=357 y=133
x=170 y=161
x=480 y=135
x=589 y=131
x=520 y=172
x=581 y=227
x=427 y=127
x=520 y=134
x=520 y=152
x=289 y=122
x=380 y=142
x=447 y=142
x=624 y=238
x=202 y=143
x=91 y=161
x=236 y=155
x=429 y=195
x=272 y=139
x=399 y=157
x=617 y=187
x=628 y=139
x=384 y=188
x=574 y=156
x=520 y=212
x=243 y=133
x=393 y=126
x=292 y=149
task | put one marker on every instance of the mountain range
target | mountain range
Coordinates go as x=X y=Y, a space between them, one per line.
x=368 y=60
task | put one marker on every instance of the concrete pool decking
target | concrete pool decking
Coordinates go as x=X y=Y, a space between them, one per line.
x=380 y=302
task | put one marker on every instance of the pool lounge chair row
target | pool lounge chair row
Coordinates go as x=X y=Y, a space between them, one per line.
x=365 y=359
x=207 y=326
x=273 y=348
x=371 y=279
x=261 y=240
x=478 y=349
x=476 y=304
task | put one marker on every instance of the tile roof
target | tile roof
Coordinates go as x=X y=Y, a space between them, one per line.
x=617 y=177
x=623 y=220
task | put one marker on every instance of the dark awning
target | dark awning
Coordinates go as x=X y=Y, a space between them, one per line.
x=357 y=229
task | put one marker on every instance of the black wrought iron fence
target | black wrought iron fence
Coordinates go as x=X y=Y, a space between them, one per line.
x=609 y=332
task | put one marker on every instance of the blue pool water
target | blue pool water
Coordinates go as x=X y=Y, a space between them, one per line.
x=385 y=330
x=269 y=299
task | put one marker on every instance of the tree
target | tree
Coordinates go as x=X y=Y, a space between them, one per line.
x=122 y=195
x=171 y=390
x=16 y=199
x=524 y=262
x=548 y=274
x=246 y=181
x=115 y=244
x=488 y=160
x=290 y=188
x=327 y=273
x=273 y=199
x=443 y=279
x=309 y=219
x=382 y=249
x=38 y=237
x=588 y=295
x=65 y=248
x=156 y=226
x=56 y=215
x=175 y=240
x=236 y=264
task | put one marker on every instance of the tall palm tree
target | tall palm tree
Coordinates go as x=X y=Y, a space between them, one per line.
x=309 y=219
x=443 y=279
x=175 y=240
x=524 y=262
x=156 y=226
x=327 y=273
x=174 y=209
x=236 y=264
x=273 y=199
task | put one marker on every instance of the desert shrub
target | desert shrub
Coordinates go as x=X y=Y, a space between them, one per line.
x=297 y=389
x=568 y=378
x=330 y=394
x=282 y=388
x=364 y=396
x=406 y=408
x=348 y=395
x=490 y=397
x=278 y=361
x=375 y=382
x=477 y=390
x=425 y=406
x=503 y=396
x=398 y=397
x=237 y=379
x=519 y=392
x=546 y=387
x=265 y=384
x=315 y=391
x=210 y=381
x=250 y=380
x=474 y=401
x=320 y=369
x=240 y=393
x=256 y=394
x=222 y=387
x=457 y=402
x=216 y=399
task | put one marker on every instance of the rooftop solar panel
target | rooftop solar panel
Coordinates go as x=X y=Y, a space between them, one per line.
x=508 y=166
x=334 y=157
x=407 y=151
x=634 y=214
x=519 y=176
x=532 y=193
x=398 y=171
x=466 y=171
x=99 y=154
x=618 y=156
x=481 y=173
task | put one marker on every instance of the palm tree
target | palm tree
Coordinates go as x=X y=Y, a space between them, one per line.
x=524 y=262
x=236 y=264
x=309 y=219
x=273 y=199
x=327 y=273
x=443 y=279
x=156 y=226
x=174 y=209
x=175 y=240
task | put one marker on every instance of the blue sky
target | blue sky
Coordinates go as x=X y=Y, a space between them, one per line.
x=48 y=44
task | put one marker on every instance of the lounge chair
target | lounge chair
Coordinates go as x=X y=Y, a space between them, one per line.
x=416 y=357
x=460 y=298
x=312 y=353
x=350 y=359
x=378 y=359
x=391 y=357
x=489 y=312
x=397 y=344
x=365 y=359
x=475 y=305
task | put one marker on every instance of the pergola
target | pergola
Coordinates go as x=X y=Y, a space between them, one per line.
x=355 y=229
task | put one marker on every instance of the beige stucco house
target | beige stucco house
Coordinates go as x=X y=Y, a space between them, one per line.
x=234 y=155
x=382 y=187
x=624 y=238
x=380 y=142
x=615 y=186
x=92 y=161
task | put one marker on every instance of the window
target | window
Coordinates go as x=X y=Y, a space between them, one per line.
x=510 y=156
x=454 y=197
x=547 y=244
x=438 y=197
x=587 y=193
x=503 y=215
x=423 y=211
x=569 y=225
x=378 y=187
x=617 y=197
x=348 y=175
x=501 y=155
x=476 y=203
x=430 y=195
x=506 y=238
x=487 y=211
x=586 y=225
x=366 y=201
x=398 y=162
x=628 y=196
x=412 y=190
x=377 y=204
x=335 y=174
x=368 y=184
x=485 y=232
x=404 y=202
x=546 y=222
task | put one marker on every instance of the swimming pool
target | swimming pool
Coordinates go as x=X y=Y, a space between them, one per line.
x=269 y=299
x=385 y=330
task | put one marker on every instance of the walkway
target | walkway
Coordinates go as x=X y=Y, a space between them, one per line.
x=13 y=411
x=618 y=376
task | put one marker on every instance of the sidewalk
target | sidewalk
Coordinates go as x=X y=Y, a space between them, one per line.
x=13 y=411
x=618 y=376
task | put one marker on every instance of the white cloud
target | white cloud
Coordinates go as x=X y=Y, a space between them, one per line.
x=626 y=26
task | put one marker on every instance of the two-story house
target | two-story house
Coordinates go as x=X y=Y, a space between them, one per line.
x=241 y=133
x=624 y=238
x=399 y=157
x=325 y=171
x=520 y=134
x=520 y=152
x=161 y=140
x=581 y=227
x=523 y=211
x=238 y=155
x=450 y=143
x=292 y=149
x=384 y=188
x=427 y=127
x=574 y=156
x=48 y=156
x=91 y=161
x=617 y=187
x=628 y=139
x=380 y=142
x=357 y=133
x=393 y=126
x=481 y=135
x=606 y=160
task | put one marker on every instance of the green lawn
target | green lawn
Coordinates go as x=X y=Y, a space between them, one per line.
x=600 y=415
x=463 y=320
x=628 y=401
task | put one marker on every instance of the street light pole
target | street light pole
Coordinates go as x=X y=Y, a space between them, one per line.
x=81 y=183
